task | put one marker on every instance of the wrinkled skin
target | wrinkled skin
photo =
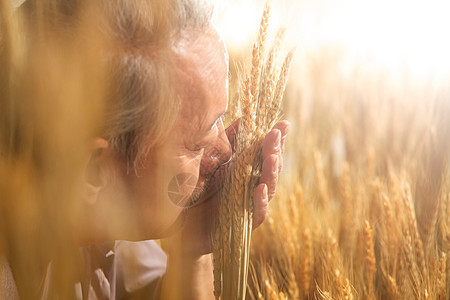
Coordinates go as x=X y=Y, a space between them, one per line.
x=197 y=223
x=205 y=64
x=184 y=168
x=174 y=193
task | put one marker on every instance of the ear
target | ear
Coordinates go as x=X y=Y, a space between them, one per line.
x=96 y=175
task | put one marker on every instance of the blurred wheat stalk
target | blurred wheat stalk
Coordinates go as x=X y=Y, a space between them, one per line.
x=258 y=107
x=51 y=99
x=363 y=211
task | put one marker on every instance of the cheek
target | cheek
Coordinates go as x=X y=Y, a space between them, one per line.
x=184 y=178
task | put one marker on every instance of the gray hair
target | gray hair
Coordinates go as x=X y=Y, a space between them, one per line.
x=144 y=103
x=141 y=102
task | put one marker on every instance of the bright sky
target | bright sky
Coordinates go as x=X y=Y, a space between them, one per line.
x=390 y=32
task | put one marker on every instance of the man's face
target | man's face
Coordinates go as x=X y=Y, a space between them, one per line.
x=202 y=144
x=176 y=173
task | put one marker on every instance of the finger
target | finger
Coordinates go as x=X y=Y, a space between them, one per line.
x=272 y=144
x=283 y=127
x=280 y=163
x=260 y=205
x=269 y=174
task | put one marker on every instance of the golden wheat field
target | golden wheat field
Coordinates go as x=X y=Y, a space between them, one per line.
x=362 y=211
x=362 y=208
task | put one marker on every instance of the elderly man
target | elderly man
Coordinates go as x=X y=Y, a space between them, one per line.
x=154 y=168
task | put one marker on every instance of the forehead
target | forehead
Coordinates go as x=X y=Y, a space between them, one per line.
x=201 y=49
x=202 y=62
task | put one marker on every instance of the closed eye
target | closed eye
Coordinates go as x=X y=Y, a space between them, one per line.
x=212 y=135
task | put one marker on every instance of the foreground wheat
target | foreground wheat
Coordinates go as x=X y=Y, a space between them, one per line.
x=259 y=106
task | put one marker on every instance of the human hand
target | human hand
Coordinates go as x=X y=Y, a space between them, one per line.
x=194 y=238
x=273 y=148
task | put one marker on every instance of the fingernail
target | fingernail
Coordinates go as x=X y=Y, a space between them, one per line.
x=264 y=193
x=275 y=166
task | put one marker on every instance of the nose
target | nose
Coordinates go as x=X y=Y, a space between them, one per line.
x=216 y=154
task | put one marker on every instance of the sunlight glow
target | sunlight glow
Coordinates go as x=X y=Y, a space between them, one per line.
x=395 y=33
x=412 y=33
x=240 y=22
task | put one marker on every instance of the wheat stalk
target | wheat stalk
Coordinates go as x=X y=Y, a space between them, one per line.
x=392 y=287
x=370 y=265
x=306 y=262
x=441 y=280
x=259 y=103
